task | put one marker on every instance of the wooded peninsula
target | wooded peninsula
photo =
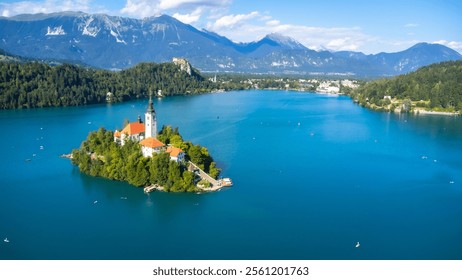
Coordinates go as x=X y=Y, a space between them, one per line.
x=36 y=85
x=436 y=88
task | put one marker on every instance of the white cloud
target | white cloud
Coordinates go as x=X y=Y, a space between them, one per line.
x=176 y=4
x=183 y=9
x=452 y=44
x=411 y=25
x=141 y=8
x=189 y=18
x=231 y=21
x=47 y=6
x=249 y=27
x=273 y=22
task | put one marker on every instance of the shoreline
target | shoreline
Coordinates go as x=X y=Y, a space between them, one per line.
x=425 y=112
x=151 y=188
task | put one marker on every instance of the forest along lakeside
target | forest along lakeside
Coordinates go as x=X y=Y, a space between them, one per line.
x=433 y=89
x=36 y=85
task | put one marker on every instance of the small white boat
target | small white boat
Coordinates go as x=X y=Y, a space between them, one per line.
x=96 y=201
x=357 y=245
x=6 y=240
x=123 y=197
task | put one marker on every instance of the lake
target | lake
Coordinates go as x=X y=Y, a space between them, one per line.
x=313 y=175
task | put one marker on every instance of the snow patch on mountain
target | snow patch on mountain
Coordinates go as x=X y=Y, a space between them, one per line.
x=116 y=35
x=90 y=30
x=55 y=31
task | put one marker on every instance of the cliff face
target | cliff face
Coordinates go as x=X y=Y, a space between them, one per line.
x=183 y=64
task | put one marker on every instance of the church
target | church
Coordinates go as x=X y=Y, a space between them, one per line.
x=146 y=134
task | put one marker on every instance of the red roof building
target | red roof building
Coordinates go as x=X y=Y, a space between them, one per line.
x=151 y=145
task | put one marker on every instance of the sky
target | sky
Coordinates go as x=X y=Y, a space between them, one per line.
x=369 y=26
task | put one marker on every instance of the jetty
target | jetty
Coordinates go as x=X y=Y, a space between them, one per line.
x=151 y=188
x=216 y=184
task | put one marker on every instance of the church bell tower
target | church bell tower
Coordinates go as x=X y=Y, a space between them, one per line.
x=150 y=120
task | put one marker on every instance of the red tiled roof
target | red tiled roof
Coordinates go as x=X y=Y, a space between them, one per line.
x=117 y=133
x=133 y=128
x=174 y=152
x=152 y=142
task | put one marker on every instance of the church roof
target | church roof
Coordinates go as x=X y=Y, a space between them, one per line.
x=133 y=128
x=173 y=151
x=152 y=142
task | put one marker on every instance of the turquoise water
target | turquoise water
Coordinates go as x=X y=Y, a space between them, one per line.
x=313 y=175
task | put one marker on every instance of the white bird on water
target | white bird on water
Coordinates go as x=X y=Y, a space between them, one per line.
x=357 y=244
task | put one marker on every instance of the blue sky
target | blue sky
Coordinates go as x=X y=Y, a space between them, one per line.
x=368 y=26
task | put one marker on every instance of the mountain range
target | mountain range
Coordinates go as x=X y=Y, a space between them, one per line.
x=113 y=42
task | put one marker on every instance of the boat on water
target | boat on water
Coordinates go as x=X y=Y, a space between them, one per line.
x=6 y=240
x=357 y=244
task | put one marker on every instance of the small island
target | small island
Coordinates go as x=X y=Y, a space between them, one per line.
x=141 y=156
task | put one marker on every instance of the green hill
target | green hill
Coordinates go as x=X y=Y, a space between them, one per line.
x=437 y=87
x=34 y=84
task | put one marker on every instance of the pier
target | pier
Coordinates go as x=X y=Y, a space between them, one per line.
x=216 y=184
x=151 y=188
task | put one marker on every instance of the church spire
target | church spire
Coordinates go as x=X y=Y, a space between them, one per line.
x=150 y=104
x=150 y=123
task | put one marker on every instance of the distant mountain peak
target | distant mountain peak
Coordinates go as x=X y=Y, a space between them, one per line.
x=285 y=41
